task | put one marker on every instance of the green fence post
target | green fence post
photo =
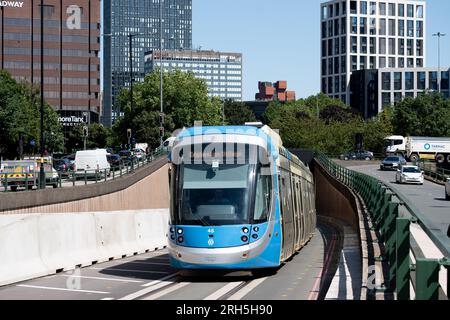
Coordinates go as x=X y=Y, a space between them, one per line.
x=391 y=242
x=403 y=261
x=427 y=279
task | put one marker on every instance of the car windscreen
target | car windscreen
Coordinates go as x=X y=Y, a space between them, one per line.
x=411 y=170
x=392 y=159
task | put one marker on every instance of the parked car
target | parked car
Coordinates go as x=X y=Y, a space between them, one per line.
x=409 y=174
x=62 y=165
x=114 y=160
x=139 y=153
x=447 y=189
x=71 y=159
x=359 y=155
x=126 y=155
x=393 y=163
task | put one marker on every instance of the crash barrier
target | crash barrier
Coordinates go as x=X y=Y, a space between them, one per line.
x=36 y=245
x=433 y=172
x=385 y=204
x=30 y=180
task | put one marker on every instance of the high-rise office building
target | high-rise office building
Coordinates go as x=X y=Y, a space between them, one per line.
x=149 y=21
x=222 y=71
x=71 y=47
x=377 y=34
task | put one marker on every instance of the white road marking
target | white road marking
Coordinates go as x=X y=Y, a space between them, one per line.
x=107 y=299
x=61 y=289
x=167 y=291
x=131 y=271
x=155 y=285
x=103 y=279
x=159 y=280
x=224 y=290
x=247 y=289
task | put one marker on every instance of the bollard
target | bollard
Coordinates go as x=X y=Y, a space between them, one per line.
x=427 y=279
x=85 y=178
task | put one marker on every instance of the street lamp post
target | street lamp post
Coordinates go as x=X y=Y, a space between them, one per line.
x=161 y=117
x=131 y=90
x=439 y=35
x=41 y=171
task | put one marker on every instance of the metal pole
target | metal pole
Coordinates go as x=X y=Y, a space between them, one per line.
x=161 y=73
x=131 y=91
x=41 y=171
x=439 y=79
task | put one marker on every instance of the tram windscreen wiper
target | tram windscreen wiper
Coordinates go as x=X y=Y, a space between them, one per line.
x=202 y=220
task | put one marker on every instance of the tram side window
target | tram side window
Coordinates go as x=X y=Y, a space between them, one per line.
x=262 y=198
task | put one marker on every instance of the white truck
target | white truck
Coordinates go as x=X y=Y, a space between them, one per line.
x=416 y=148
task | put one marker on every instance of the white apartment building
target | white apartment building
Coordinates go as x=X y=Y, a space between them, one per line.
x=377 y=34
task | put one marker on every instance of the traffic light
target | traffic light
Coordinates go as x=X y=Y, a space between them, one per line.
x=161 y=131
x=129 y=133
x=162 y=119
x=85 y=131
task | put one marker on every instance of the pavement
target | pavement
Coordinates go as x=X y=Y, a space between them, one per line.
x=150 y=277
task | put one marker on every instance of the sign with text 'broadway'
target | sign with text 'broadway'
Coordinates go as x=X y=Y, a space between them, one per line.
x=12 y=4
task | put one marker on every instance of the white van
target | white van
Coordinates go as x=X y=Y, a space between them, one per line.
x=91 y=162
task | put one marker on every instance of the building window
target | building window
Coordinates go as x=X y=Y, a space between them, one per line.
x=391 y=62
x=386 y=79
x=354 y=44
x=344 y=7
x=419 y=63
x=353 y=7
x=401 y=10
x=354 y=63
x=419 y=12
x=336 y=46
x=343 y=26
x=343 y=45
x=382 y=46
x=386 y=99
x=401 y=47
x=444 y=80
x=391 y=46
x=372 y=63
x=330 y=85
x=330 y=66
x=409 y=80
x=336 y=65
x=324 y=67
x=382 y=8
x=343 y=64
x=343 y=84
x=363 y=44
x=392 y=31
x=330 y=28
x=363 y=7
x=410 y=47
x=324 y=12
x=397 y=81
x=337 y=85
x=419 y=29
x=397 y=97
x=382 y=63
x=382 y=27
x=373 y=26
x=401 y=28
x=330 y=47
x=392 y=9
x=373 y=45
x=410 y=63
x=373 y=8
x=324 y=48
x=410 y=28
x=336 y=27
x=362 y=62
x=354 y=24
x=363 y=26
x=401 y=62
x=410 y=10
x=421 y=80
x=419 y=48
x=324 y=29
x=433 y=80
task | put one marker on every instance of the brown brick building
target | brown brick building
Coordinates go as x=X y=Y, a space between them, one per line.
x=71 y=47
x=274 y=91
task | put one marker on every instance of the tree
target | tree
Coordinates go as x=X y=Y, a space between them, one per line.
x=427 y=115
x=20 y=120
x=185 y=101
x=98 y=137
x=237 y=113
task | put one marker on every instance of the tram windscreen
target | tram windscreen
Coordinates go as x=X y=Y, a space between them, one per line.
x=215 y=195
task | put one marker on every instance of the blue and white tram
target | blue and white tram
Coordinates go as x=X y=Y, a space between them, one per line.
x=239 y=200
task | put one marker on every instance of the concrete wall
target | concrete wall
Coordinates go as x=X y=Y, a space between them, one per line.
x=148 y=188
x=334 y=199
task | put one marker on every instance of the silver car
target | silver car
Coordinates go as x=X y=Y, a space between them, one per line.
x=447 y=189
x=393 y=163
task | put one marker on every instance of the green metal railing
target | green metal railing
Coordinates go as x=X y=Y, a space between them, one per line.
x=392 y=215
x=433 y=171
x=70 y=178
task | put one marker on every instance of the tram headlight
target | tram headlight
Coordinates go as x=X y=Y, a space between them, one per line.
x=180 y=231
x=244 y=239
x=245 y=230
x=255 y=236
x=256 y=229
x=180 y=239
x=172 y=237
x=172 y=230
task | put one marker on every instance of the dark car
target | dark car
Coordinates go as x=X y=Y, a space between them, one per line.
x=61 y=165
x=358 y=155
x=71 y=159
x=126 y=156
x=114 y=160
x=393 y=163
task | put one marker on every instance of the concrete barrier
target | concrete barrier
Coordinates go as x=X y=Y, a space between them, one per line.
x=36 y=245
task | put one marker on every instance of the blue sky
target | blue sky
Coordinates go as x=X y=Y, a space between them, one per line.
x=280 y=39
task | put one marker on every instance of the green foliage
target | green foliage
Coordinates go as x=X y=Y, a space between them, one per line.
x=333 y=132
x=427 y=115
x=185 y=101
x=98 y=137
x=20 y=120
x=237 y=113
